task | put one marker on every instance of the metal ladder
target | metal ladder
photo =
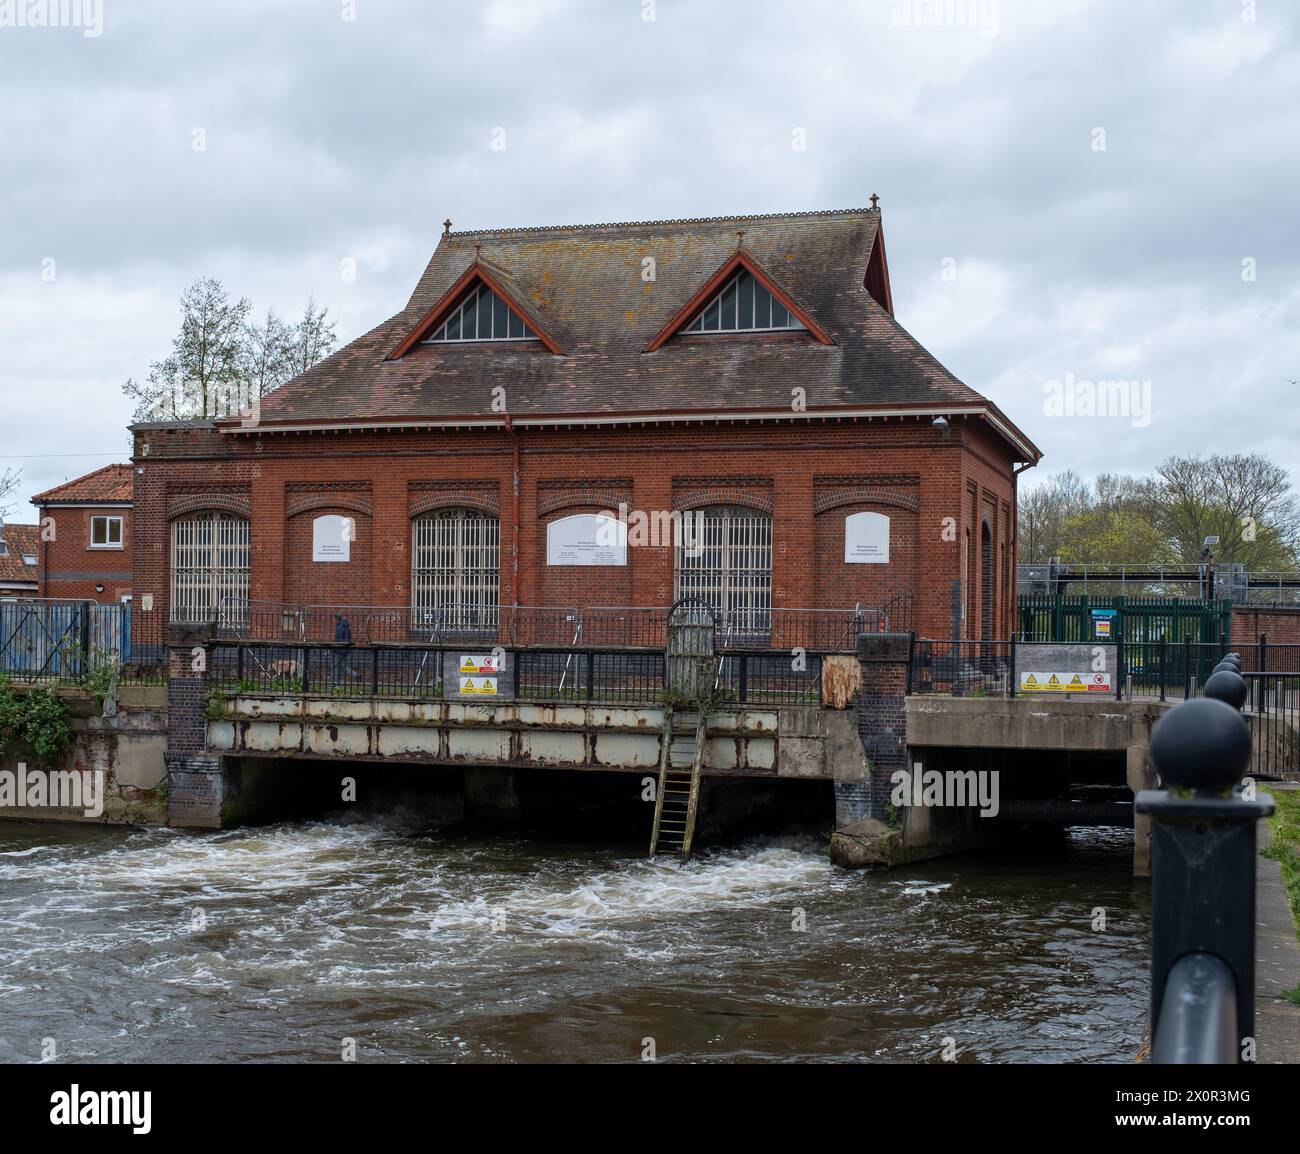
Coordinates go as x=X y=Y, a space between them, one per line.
x=681 y=758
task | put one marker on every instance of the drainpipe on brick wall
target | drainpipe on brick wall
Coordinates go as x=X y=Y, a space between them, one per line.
x=1015 y=543
x=43 y=589
x=514 y=535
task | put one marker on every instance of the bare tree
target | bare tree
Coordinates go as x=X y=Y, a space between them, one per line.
x=314 y=338
x=1043 y=513
x=268 y=356
x=9 y=482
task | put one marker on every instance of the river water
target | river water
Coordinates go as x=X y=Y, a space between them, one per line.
x=277 y=943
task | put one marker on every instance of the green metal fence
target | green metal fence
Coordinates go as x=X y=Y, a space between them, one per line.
x=1043 y=617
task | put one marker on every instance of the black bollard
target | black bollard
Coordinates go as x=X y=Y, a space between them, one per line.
x=1203 y=881
x=1228 y=686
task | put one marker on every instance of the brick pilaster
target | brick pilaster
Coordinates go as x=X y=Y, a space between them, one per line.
x=195 y=780
x=882 y=716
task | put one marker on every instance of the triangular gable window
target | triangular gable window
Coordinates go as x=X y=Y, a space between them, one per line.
x=743 y=305
x=482 y=316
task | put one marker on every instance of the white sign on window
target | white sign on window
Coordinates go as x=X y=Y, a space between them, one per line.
x=866 y=539
x=586 y=539
x=331 y=538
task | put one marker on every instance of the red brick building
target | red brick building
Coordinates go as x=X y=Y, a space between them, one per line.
x=86 y=547
x=457 y=458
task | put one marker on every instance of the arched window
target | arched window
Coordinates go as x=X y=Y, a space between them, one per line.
x=210 y=566
x=455 y=571
x=723 y=556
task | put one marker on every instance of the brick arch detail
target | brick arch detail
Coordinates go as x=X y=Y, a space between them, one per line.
x=432 y=502
x=599 y=498
x=306 y=502
x=835 y=498
x=210 y=503
x=745 y=498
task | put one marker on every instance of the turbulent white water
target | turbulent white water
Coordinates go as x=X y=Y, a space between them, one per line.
x=280 y=942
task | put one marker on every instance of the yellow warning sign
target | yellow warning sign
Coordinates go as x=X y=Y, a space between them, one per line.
x=482 y=686
x=472 y=664
x=1064 y=683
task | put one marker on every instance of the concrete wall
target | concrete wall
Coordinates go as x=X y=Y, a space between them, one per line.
x=1074 y=724
x=797 y=742
x=126 y=748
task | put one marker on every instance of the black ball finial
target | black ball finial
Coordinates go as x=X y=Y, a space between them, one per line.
x=1202 y=744
x=1226 y=667
x=1229 y=686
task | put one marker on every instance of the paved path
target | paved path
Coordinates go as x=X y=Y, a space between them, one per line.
x=1277 y=965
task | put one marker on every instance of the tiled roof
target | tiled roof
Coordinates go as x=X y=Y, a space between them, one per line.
x=588 y=287
x=111 y=483
x=19 y=540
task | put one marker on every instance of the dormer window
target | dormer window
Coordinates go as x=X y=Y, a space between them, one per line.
x=743 y=305
x=482 y=316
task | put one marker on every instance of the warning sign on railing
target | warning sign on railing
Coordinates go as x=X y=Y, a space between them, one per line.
x=475 y=675
x=485 y=686
x=1069 y=667
x=1039 y=682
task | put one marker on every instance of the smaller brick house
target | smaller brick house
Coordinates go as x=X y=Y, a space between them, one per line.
x=19 y=565
x=86 y=551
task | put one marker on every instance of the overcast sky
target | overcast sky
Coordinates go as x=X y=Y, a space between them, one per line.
x=1071 y=190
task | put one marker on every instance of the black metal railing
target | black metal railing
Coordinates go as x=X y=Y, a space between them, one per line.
x=962 y=668
x=612 y=626
x=751 y=678
x=538 y=673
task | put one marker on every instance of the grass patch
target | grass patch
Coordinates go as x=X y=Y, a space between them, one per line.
x=1284 y=846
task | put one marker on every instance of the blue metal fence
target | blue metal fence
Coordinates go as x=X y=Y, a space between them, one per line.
x=62 y=640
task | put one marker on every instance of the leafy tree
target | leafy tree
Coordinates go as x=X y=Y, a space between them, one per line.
x=1244 y=500
x=220 y=362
